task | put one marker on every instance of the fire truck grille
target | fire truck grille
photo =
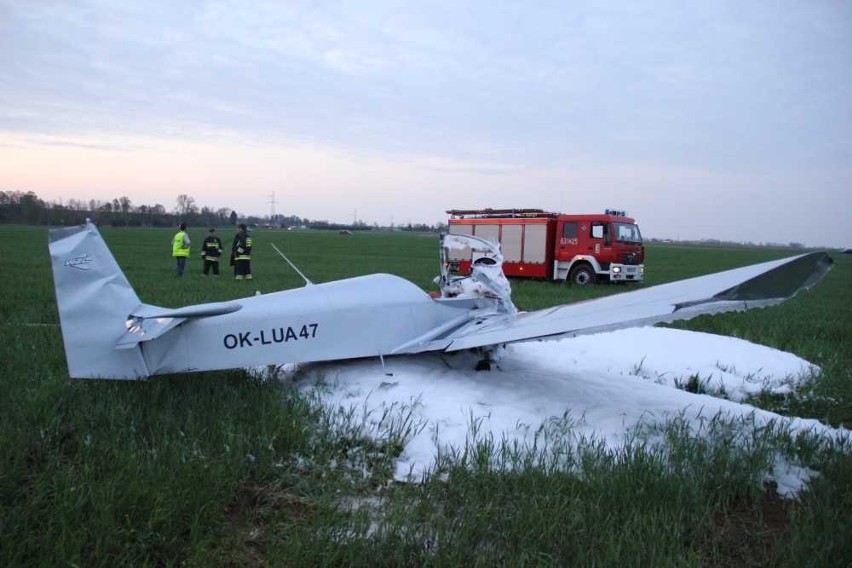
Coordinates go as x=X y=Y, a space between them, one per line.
x=630 y=258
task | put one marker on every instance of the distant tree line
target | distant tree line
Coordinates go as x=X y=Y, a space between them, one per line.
x=27 y=208
x=727 y=244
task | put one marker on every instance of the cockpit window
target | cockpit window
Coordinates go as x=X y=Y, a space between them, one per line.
x=627 y=233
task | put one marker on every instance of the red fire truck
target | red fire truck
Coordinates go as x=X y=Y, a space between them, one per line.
x=541 y=244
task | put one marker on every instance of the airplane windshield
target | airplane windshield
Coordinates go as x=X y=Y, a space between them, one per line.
x=627 y=233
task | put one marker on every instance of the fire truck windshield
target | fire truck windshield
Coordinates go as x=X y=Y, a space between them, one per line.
x=627 y=233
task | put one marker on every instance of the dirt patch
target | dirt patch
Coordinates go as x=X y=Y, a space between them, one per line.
x=748 y=533
x=255 y=510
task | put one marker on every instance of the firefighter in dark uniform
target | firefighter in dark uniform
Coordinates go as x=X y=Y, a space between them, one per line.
x=241 y=254
x=211 y=250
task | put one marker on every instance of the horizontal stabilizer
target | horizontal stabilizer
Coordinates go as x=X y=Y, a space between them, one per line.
x=733 y=290
x=197 y=311
x=151 y=322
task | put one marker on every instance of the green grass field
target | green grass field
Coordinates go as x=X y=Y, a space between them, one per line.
x=226 y=468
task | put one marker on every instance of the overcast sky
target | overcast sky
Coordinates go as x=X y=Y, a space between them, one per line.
x=719 y=119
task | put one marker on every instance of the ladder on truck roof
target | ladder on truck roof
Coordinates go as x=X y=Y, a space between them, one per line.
x=498 y=213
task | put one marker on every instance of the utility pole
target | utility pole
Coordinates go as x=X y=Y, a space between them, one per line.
x=272 y=208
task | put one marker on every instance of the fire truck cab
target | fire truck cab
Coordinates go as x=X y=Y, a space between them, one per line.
x=580 y=249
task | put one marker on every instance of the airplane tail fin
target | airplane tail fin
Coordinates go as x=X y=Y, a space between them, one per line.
x=94 y=300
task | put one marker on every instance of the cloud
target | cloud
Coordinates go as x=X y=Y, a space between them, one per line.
x=485 y=92
x=470 y=81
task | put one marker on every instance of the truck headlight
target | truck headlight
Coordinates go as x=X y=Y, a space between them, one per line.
x=616 y=270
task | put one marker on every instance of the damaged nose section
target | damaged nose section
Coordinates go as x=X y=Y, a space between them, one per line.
x=486 y=278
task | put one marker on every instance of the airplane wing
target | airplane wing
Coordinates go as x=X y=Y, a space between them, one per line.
x=733 y=290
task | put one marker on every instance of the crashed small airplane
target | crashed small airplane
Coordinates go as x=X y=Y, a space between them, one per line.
x=110 y=334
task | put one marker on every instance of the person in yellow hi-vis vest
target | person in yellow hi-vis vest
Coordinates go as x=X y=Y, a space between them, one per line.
x=180 y=248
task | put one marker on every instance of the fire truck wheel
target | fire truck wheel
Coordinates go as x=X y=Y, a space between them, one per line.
x=582 y=275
